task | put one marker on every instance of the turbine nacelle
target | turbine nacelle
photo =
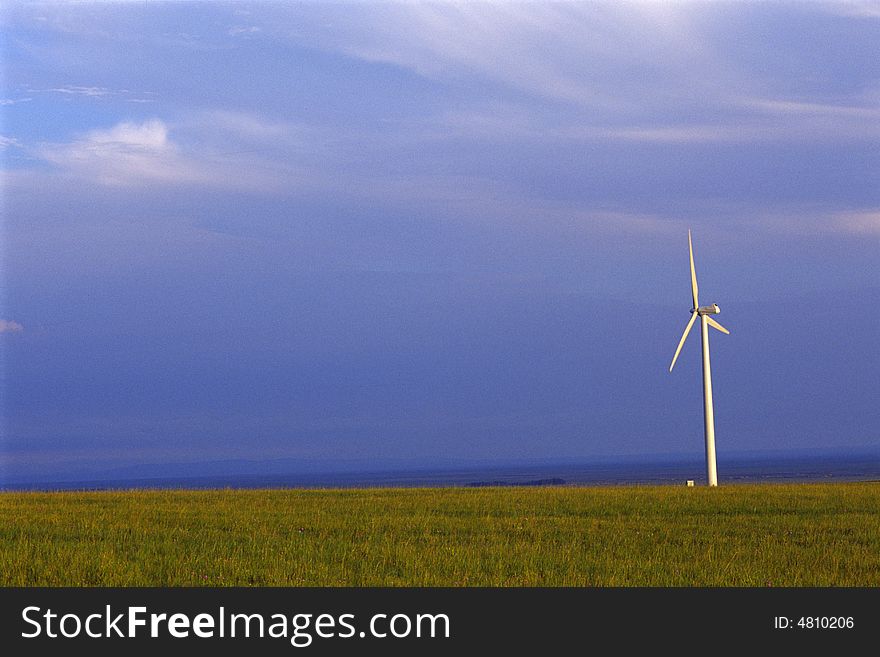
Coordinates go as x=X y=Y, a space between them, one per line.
x=707 y=310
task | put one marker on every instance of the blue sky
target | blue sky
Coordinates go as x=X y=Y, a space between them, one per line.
x=434 y=231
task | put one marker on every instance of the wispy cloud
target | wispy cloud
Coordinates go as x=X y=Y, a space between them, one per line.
x=243 y=30
x=132 y=154
x=13 y=101
x=865 y=222
x=73 y=90
x=646 y=72
x=764 y=121
x=507 y=43
x=10 y=326
x=127 y=153
x=860 y=124
x=247 y=125
x=853 y=8
x=8 y=142
x=100 y=93
x=781 y=107
x=812 y=220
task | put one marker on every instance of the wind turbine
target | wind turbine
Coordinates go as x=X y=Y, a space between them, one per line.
x=705 y=314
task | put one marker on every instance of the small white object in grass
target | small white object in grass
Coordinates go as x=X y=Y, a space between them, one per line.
x=690 y=483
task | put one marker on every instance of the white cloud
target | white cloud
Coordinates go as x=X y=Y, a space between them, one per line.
x=811 y=120
x=444 y=40
x=853 y=8
x=795 y=108
x=128 y=153
x=648 y=72
x=814 y=221
x=12 y=101
x=574 y=52
x=132 y=154
x=745 y=129
x=72 y=90
x=761 y=120
x=10 y=326
x=865 y=222
x=680 y=134
x=248 y=126
x=774 y=122
x=241 y=30
x=152 y=134
x=7 y=142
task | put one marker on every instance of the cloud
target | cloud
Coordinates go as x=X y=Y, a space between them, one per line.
x=81 y=91
x=152 y=134
x=93 y=92
x=132 y=154
x=751 y=119
x=812 y=220
x=865 y=222
x=12 y=101
x=642 y=72
x=663 y=134
x=795 y=108
x=243 y=30
x=7 y=142
x=860 y=124
x=125 y=154
x=247 y=126
x=767 y=120
x=10 y=326
x=853 y=8
x=497 y=42
x=787 y=118
x=603 y=58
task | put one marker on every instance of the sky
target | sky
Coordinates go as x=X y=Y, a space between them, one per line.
x=424 y=233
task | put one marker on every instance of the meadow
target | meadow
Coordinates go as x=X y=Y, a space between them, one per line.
x=741 y=535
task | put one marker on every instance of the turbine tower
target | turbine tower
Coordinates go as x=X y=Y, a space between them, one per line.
x=706 y=320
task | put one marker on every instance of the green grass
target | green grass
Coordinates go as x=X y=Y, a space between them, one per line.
x=744 y=535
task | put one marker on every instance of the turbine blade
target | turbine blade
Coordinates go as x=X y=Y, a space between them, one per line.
x=683 y=338
x=693 y=271
x=716 y=325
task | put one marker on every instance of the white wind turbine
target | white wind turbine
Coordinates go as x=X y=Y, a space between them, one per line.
x=705 y=314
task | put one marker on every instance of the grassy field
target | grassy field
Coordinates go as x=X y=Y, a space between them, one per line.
x=745 y=535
